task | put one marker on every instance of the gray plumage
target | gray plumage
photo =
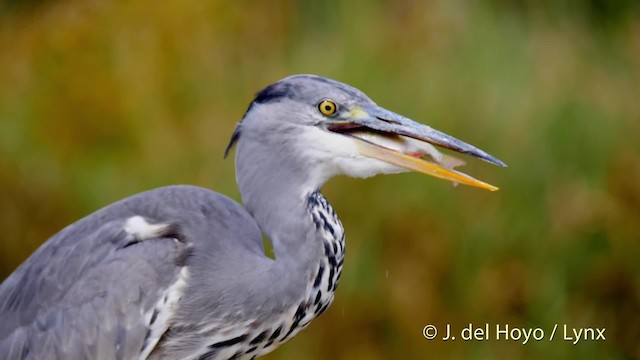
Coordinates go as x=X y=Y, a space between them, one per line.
x=180 y=272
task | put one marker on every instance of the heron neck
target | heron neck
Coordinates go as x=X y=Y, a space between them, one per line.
x=274 y=189
x=280 y=209
x=308 y=239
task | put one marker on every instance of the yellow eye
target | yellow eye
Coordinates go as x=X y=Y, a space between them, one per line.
x=327 y=107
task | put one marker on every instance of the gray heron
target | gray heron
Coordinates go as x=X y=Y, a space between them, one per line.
x=180 y=272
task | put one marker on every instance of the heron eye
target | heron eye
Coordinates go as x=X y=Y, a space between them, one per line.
x=327 y=107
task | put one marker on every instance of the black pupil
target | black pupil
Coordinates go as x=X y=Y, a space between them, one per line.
x=327 y=107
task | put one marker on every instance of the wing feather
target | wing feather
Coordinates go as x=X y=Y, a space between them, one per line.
x=87 y=292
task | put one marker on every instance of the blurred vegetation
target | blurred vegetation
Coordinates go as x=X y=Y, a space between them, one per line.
x=103 y=99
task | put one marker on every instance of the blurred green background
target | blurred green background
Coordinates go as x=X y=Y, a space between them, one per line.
x=103 y=99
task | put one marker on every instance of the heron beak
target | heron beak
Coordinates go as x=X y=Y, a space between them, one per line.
x=395 y=139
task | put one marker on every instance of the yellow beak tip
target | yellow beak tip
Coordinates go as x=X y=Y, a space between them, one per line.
x=419 y=165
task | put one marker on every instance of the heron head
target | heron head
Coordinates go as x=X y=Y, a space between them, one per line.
x=336 y=129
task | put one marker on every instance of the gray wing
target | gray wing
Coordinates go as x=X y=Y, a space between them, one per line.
x=93 y=290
